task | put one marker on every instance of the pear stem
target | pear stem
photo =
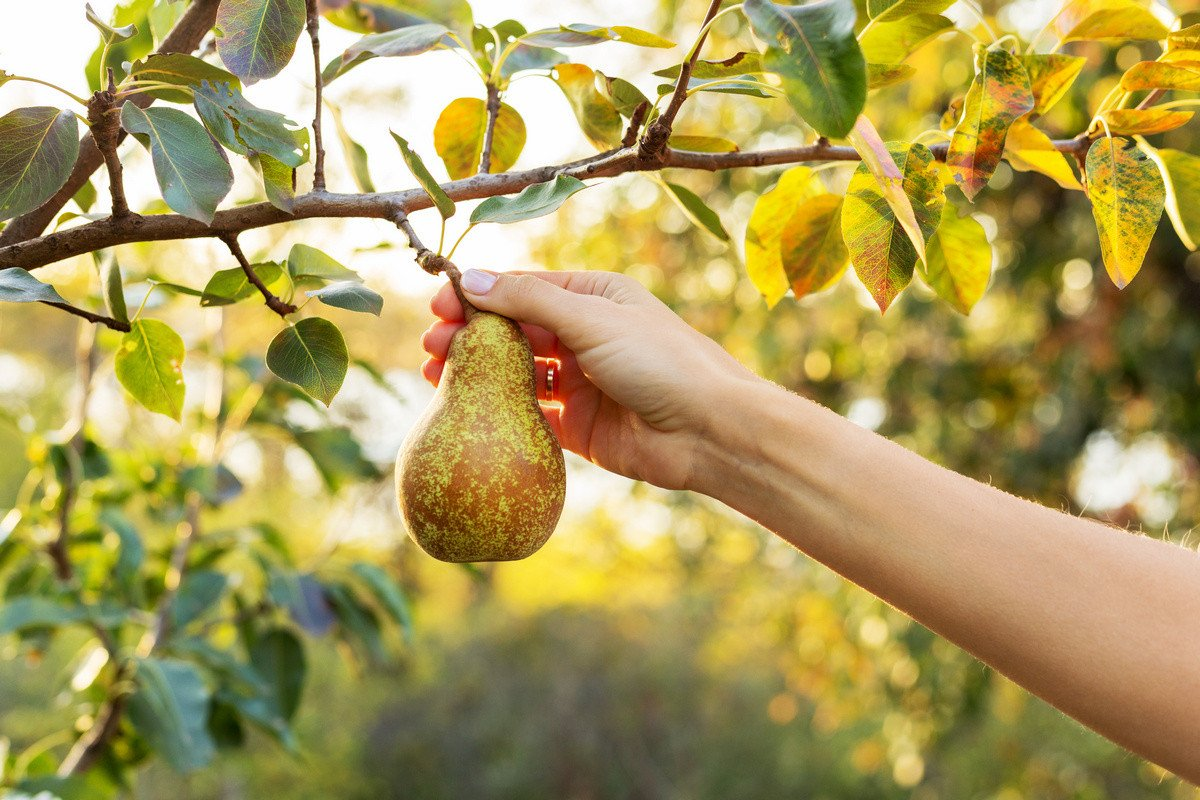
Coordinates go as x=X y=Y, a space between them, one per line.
x=433 y=263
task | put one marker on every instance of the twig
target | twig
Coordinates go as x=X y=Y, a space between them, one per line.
x=314 y=18
x=489 y=132
x=434 y=263
x=99 y=319
x=277 y=305
x=655 y=141
x=89 y=747
x=105 y=125
x=635 y=124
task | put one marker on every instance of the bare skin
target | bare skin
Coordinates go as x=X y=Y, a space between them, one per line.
x=1103 y=624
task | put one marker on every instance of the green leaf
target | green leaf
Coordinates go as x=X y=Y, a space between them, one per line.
x=408 y=41
x=192 y=171
x=748 y=85
x=735 y=66
x=998 y=96
x=1106 y=20
x=19 y=286
x=227 y=286
x=278 y=657
x=38 y=148
x=92 y=785
x=1180 y=76
x=337 y=455
x=111 y=285
x=388 y=592
x=1128 y=196
x=416 y=166
x=893 y=42
x=311 y=354
x=1030 y=150
x=169 y=708
x=624 y=96
x=701 y=144
x=1181 y=173
x=130 y=14
x=303 y=597
x=885 y=10
x=20 y=614
x=1050 y=76
x=598 y=117
x=200 y=591
x=357 y=620
x=179 y=69
x=880 y=76
x=149 y=364
x=958 y=260
x=107 y=32
x=813 y=50
x=697 y=210
x=579 y=35
x=304 y=261
x=811 y=248
x=533 y=201
x=85 y=198
x=279 y=181
x=883 y=255
x=355 y=154
x=258 y=37
x=131 y=554
x=771 y=213
x=244 y=128
x=350 y=295
x=1144 y=121
x=459 y=132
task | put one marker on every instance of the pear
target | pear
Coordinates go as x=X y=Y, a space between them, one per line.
x=481 y=475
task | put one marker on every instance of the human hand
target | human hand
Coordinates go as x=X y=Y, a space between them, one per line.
x=639 y=389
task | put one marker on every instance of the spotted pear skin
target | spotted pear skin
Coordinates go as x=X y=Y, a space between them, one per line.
x=481 y=475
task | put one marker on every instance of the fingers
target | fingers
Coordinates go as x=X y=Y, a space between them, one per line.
x=610 y=285
x=436 y=340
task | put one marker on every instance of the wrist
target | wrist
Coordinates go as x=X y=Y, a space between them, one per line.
x=735 y=424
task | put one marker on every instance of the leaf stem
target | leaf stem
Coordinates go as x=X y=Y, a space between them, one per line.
x=458 y=241
x=975 y=9
x=54 y=86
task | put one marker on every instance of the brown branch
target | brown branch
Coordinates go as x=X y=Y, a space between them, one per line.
x=434 y=263
x=183 y=38
x=105 y=125
x=489 y=132
x=635 y=123
x=89 y=747
x=98 y=319
x=654 y=143
x=314 y=18
x=274 y=303
x=385 y=205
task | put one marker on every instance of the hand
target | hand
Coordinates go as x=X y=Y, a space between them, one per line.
x=639 y=389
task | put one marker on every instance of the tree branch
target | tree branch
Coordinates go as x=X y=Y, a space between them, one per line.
x=101 y=319
x=105 y=125
x=434 y=263
x=635 y=124
x=183 y=38
x=314 y=18
x=273 y=302
x=489 y=132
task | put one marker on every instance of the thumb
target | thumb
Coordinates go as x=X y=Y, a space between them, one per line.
x=525 y=298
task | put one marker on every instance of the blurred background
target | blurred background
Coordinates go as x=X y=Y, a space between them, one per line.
x=659 y=646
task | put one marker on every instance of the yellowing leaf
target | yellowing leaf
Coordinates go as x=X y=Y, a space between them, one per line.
x=1181 y=173
x=1145 y=121
x=999 y=94
x=890 y=178
x=1180 y=75
x=1030 y=150
x=958 y=261
x=598 y=117
x=1127 y=193
x=892 y=42
x=1050 y=75
x=771 y=213
x=895 y=9
x=811 y=248
x=882 y=75
x=1106 y=19
x=459 y=133
x=702 y=144
x=149 y=364
x=882 y=254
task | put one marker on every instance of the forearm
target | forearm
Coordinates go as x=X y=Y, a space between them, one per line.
x=1101 y=623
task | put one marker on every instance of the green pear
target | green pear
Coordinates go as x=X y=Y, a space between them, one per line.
x=481 y=475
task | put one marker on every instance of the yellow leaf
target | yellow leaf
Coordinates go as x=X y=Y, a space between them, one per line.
x=1050 y=75
x=1180 y=75
x=459 y=133
x=958 y=261
x=771 y=213
x=1100 y=20
x=811 y=247
x=1030 y=150
x=598 y=117
x=878 y=159
x=1127 y=193
x=1181 y=174
x=1145 y=121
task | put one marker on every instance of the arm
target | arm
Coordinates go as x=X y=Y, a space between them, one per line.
x=1103 y=624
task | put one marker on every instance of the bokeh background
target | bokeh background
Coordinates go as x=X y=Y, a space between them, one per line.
x=661 y=646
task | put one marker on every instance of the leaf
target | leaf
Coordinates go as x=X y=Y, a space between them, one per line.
x=311 y=354
x=374 y=16
x=999 y=94
x=357 y=619
x=459 y=133
x=416 y=166
x=771 y=213
x=245 y=128
x=278 y=657
x=131 y=14
x=746 y=85
x=355 y=153
x=1181 y=173
x=407 y=41
x=1128 y=196
x=304 y=261
x=337 y=455
x=878 y=159
x=736 y=65
x=179 y=69
x=279 y=181
x=811 y=248
x=169 y=708
x=885 y=10
x=258 y=37
x=882 y=254
x=579 y=34
x=813 y=50
x=112 y=286
x=85 y=198
x=38 y=148
x=1101 y=20
x=1145 y=121
x=199 y=592
x=1182 y=76
x=892 y=42
x=19 y=286
x=697 y=210
x=20 y=614
x=227 y=286
x=598 y=117
x=149 y=364
x=883 y=75
x=701 y=144
x=108 y=33
x=387 y=591
x=303 y=598
x=350 y=295
x=958 y=260
x=1050 y=76
x=132 y=552
x=1030 y=150
x=191 y=171
x=624 y=96
x=533 y=201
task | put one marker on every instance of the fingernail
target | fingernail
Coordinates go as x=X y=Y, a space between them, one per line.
x=476 y=281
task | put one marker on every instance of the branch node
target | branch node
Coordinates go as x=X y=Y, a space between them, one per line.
x=105 y=125
x=635 y=124
x=274 y=303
